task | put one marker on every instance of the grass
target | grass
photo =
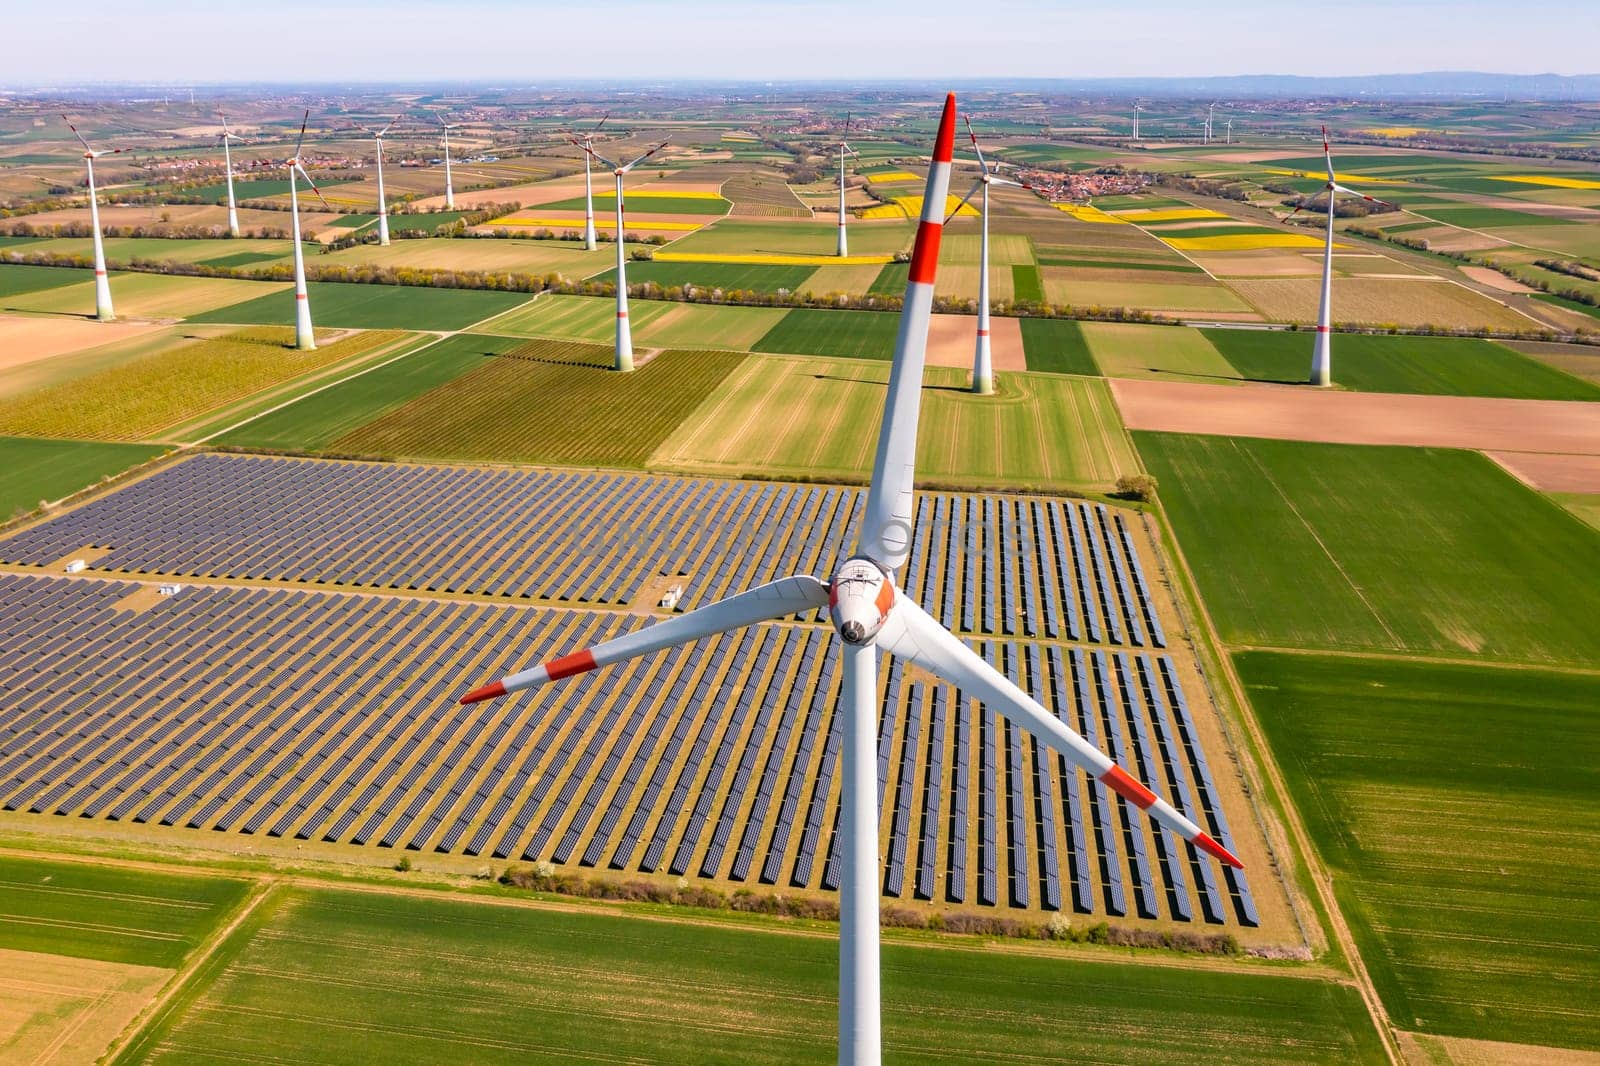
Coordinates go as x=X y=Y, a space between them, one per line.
x=1435 y=366
x=726 y=276
x=852 y=334
x=242 y=259
x=344 y=306
x=1159 y=353
x=892 y=280
x=138 y=398
x=1453 y=806
x=86 y=911
x=1026 y=284
x=1331 y=546
x=32 y=470
x=16 y=279
x=548 y=402
x=1056 y=346
x=313 y=422
x=785 y=417
x=336 y=976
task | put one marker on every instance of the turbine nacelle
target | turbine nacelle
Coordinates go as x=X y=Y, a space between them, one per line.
x=860 y=597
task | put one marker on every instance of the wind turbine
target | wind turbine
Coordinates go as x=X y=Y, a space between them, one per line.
x=1136 y=109
x=227 y=158
x=624 y=357
x=1230 y=132
x=102 y=284
x=982 y=365
x=869 y=614
x=1211 y=112
x=304 y=338
x=383 y=204
x=449 y=189
x=1321 y=355
x=844 y=245
x=587 y=144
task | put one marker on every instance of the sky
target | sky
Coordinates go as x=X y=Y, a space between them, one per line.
x=531 y=42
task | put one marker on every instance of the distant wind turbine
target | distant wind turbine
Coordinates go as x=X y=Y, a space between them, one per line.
x=1321 y=354
x=449 y=189
x=383 y=204
x=586 y=142
x=1136 y=109
x=844 y=244
x=304 y=338
x=227 y=160
x=870 y=615
x=624 y=353
x=1230 y=131
x=982 y=364
x=102 y=284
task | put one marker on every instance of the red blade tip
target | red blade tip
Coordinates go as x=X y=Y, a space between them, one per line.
x=944 y=146
x=1211 y=847
x=487 y=692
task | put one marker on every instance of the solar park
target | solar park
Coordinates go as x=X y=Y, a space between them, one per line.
x=244 y=702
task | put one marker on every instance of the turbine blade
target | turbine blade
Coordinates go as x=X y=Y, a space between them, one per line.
x=886 y=531
x=1351 y=192
x=602 y=122
x=965 y=199
x=392 y=123
x=226 y=132
x=76 y=134
x=982 y=162
x=596 y=156
x=911 y=634
x=302 y=140
x=790 y=595
x=642 y=158
x=1327 y=152
x=311 y=183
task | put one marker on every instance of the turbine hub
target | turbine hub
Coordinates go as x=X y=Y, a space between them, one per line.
x=860 y=597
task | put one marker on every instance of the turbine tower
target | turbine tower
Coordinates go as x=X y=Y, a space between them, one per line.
x=1136 y=109
x=102 y=284
x=1230 y=132
x=624 y=355
x=383 y=204
x=449 y=189
x=982 y=364
x=586 y=142
x=844 y=244
x=1321 y=354
x=869 y=614
x=227 y=162
x=1211 y=113
x=304 y=338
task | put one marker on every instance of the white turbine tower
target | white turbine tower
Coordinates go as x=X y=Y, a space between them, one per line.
x=383 y=204
x=449 y=188
x=624 y=354
x=1230 y=132
x=1321 y=353
x=304 y=338
x=869 y=613
x=1136 y=109
x=227 y=161
x=844 y=244
x=586 y=142
x=1211 y=113
x=102 y=284
x=982 y=364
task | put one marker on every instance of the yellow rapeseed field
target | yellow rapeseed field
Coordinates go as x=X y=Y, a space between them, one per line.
x=687 y=194
x=1166 y=214
x=893 y=175
x=1244 y=242
x=1551 y=181
x=1395 y=131
x=1366 y=179
x=1087 y=213
x=883 y=211
x=772 y=260
x=911 y=207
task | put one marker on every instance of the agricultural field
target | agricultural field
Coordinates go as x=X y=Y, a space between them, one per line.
x=32 y=470
x=747 y=238
x=1366 y=548
x=1438 y=366
x=547 y=402
x=139 y=398
x=158 y=296
x=311 y=423
x=1057 y=346
x=17 y=280
x=1141 y=289
x=1158 y=353
x=519 y=255
x=319 y=962
x=645 y=202
x=813 y=331
x=261 y=189
x=725 y=276
x=1040 y=431
x=338 y=305
x=1452 y=805
x=124 y=250
x=1380 y=301
x=654 y=323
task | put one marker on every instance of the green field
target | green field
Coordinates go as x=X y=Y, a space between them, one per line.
x=335 y=976
x=1437 y=366
x=1056 y=345
x=1026 y=284
x=725 y=276
x=344 y=306
x=606 y=204
x=243 y=259
x=16 y=279
x=1371 y=548
x=1159 y=353
x=88 y=911
x=655 y=323
x=146 y=296
x=783 y=417
x=262 y=189
x=311 y=423
x=32 y=470
x=140 y=397
x=547 y=402
x=852 y=334
x=1454 y=806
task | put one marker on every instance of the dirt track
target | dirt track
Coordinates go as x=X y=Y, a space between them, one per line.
x=1301 y=413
